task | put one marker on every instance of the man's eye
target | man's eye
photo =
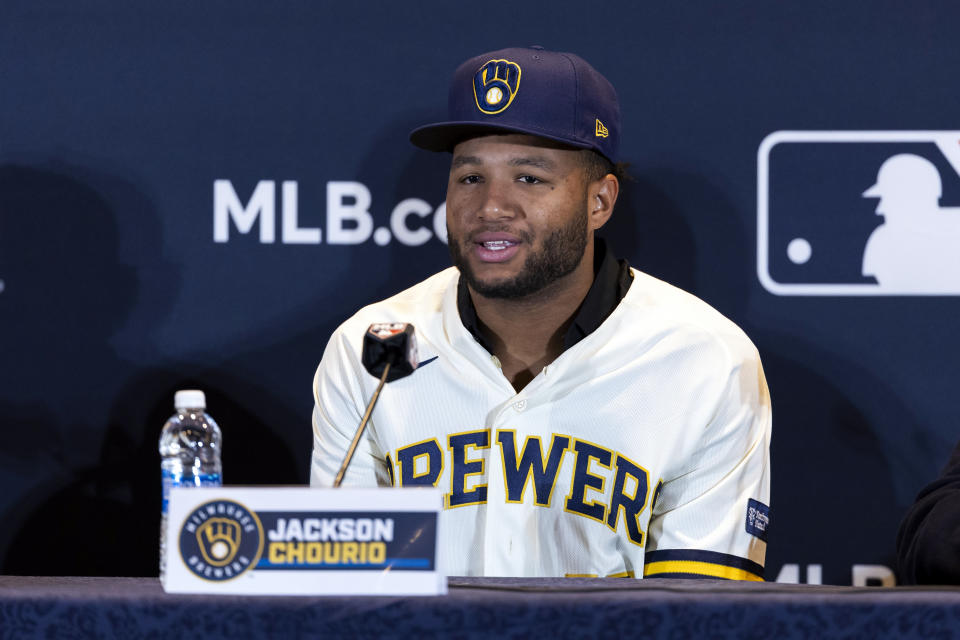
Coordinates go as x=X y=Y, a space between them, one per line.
x=530 y=180
x=471 y=179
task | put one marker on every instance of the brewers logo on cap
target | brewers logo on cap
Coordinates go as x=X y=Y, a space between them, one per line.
x=495 y=85
x=220 y=540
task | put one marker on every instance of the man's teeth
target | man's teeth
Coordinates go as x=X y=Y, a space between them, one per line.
x=497 y=245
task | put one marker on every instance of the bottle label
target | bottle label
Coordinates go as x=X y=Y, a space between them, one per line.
x=170 y=479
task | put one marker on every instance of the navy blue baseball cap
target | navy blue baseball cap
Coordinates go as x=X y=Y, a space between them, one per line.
x=549 y=94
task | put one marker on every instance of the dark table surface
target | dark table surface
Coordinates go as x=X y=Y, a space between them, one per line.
x=78 y=607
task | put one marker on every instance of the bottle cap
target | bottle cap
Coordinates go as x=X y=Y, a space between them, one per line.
x=189 y=399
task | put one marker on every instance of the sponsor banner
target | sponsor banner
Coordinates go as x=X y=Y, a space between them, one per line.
x=302 y=541
x=859 y=213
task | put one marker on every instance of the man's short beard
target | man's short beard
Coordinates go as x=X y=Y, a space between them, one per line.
x=560 y=254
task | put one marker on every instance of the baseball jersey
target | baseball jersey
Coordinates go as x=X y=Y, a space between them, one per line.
x=643 y=449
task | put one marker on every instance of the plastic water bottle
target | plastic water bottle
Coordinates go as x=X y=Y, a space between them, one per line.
x=189 y=452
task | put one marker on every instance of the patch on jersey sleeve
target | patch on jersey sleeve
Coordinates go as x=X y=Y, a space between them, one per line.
x=758 y=519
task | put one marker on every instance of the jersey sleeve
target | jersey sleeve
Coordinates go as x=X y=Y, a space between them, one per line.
x=339 y=403
x=710 y=519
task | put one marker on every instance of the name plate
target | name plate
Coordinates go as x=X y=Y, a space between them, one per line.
x=302 y=541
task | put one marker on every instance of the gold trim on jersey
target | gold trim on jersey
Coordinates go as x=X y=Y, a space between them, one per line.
x=622 y=574
x=688 y=563
x=698 y=568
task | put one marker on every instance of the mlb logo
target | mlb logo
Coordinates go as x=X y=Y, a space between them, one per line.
x=859 y=213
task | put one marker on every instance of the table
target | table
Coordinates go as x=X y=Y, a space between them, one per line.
x=77 y=607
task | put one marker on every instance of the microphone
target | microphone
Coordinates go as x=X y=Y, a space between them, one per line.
x=390 y=345
x=389 y=353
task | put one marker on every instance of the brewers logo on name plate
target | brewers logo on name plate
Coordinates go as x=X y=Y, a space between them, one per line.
x=220 y=540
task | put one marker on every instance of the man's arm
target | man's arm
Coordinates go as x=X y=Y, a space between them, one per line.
x=338 y=394
x=711 y=520
x=928 y=542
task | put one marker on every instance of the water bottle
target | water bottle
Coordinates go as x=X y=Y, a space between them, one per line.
x=189 y=452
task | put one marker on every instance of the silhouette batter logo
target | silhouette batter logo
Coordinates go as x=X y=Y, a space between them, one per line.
x=859 y=213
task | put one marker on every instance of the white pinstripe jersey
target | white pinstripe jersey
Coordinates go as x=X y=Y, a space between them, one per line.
x=641 y=450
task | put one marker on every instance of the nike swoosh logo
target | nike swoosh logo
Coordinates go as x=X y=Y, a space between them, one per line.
x=427 y=361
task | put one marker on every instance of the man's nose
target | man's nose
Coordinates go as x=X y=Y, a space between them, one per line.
x=496 y=204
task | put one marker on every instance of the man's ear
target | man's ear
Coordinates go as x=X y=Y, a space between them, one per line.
x=602 y=196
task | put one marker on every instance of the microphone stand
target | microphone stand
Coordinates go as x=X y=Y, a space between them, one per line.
x=360 y=429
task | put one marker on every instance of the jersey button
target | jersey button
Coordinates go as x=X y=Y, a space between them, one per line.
x=520 y=405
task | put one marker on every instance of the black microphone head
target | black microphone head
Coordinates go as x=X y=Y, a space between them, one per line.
x=390 y=342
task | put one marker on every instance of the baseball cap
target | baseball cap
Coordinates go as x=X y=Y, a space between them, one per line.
x=550 y=94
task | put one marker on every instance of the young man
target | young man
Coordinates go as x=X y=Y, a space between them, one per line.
x=582 y=418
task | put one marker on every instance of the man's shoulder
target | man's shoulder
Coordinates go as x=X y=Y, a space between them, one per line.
x=666 y=310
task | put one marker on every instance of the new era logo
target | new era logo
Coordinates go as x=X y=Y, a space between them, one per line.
x=601 y=130
x=863 y=213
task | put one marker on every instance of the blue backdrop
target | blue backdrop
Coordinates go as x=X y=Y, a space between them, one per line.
x=196 y=194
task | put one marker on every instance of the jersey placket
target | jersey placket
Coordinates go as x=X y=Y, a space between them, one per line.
x=506 y=544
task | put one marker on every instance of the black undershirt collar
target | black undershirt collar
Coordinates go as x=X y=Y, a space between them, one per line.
x=611 y=280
